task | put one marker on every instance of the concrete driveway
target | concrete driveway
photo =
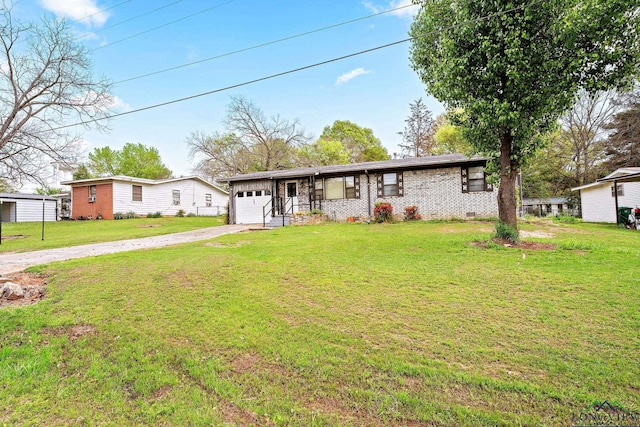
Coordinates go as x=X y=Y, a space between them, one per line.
x=13 y=263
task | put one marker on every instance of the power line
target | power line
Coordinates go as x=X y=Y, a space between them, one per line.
x=261 y=45
x=272 y=76
x=101 y=11
x=128 y=20
x=165 y=25
x=295 y=70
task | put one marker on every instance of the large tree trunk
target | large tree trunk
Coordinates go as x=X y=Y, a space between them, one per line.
x=507 y=206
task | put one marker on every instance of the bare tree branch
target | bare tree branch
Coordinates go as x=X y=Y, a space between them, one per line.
x=46 y=81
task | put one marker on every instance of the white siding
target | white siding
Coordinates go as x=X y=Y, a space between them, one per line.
x=599 y=206
x=31 y=210
x=159 y=198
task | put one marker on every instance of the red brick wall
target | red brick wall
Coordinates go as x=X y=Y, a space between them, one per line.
x=103 y=204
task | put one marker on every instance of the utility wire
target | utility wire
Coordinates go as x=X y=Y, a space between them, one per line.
x=165 y=25
x=101 y=11
x=128 y=20
x=260 y=45
x=295 y=70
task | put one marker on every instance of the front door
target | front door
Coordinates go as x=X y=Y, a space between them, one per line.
x=291 y=190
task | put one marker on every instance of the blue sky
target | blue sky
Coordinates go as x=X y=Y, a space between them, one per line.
x=373 y=90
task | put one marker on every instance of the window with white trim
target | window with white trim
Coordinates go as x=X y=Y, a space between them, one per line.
x=620 y=191
x=136 y=193
x=176 y=197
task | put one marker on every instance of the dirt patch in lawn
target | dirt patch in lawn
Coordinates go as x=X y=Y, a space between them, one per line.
x=33 y=285
x=149 y=225
x=533 y=246
x=227 y=245
x=73 y=331
x=13 y=237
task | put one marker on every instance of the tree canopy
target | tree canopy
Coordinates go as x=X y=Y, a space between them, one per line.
x=359 y=142
x=516 y=67
x=46 y=82
x=135 y=160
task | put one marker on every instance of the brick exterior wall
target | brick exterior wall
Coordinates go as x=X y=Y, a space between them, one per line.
x=436 y=192
x=81 y=207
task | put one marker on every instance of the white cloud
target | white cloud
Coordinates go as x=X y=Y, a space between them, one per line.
x=351 y=75
x=85 y=11
x=407 y=9
x=119 y=105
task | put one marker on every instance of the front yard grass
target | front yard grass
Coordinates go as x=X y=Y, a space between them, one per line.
x=337 y=324
x=27 y=236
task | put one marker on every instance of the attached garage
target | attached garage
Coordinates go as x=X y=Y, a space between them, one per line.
x=249 y=206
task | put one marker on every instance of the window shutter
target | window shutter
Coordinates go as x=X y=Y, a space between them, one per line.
x=356 y=184
x=487 y=186
x=465 y=180
x=380 y=193
x=400 y=184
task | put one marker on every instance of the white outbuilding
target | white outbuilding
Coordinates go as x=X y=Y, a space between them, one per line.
x=17 y=207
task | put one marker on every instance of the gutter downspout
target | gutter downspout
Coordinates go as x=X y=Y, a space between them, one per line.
x=368 y=194
x=615 y=192
x=231 y=215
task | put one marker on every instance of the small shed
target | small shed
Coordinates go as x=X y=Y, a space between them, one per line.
x=17 y=207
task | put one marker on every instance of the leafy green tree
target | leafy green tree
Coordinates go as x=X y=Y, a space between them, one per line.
x=48 y=191
x=5 y=187
x=515 y=67
x=135 y=160
x=448 y=138
x=324 y=152
x=82 y=173
x=360 y=142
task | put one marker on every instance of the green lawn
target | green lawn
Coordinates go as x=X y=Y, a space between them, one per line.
x=340 y=324
x=27 y=236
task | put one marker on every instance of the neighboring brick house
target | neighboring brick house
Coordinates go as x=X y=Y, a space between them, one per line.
x=442 y=187
x=102 y=197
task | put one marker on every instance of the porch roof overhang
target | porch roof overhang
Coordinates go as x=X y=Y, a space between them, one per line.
x=632 y=177
x=413 y=163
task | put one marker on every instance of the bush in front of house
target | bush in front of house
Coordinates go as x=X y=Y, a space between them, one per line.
x=154 y=215
x=180 y=213
x=383 y=212
x=411 y=213
x=124 y=215
x=190 y=214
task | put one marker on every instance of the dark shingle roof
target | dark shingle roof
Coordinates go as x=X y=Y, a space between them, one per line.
x=396 y=164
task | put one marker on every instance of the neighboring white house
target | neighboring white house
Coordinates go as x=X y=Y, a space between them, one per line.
x=102 y=197
x=17 y=207
x=600 y=199
x=551 y=206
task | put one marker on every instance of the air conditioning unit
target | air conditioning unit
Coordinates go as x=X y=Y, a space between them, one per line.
x=92 y=199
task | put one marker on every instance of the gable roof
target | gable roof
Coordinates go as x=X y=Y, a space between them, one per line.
x=141 y=181
x=409 y=163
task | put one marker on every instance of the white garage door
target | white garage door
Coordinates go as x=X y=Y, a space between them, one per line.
x=249 y=206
